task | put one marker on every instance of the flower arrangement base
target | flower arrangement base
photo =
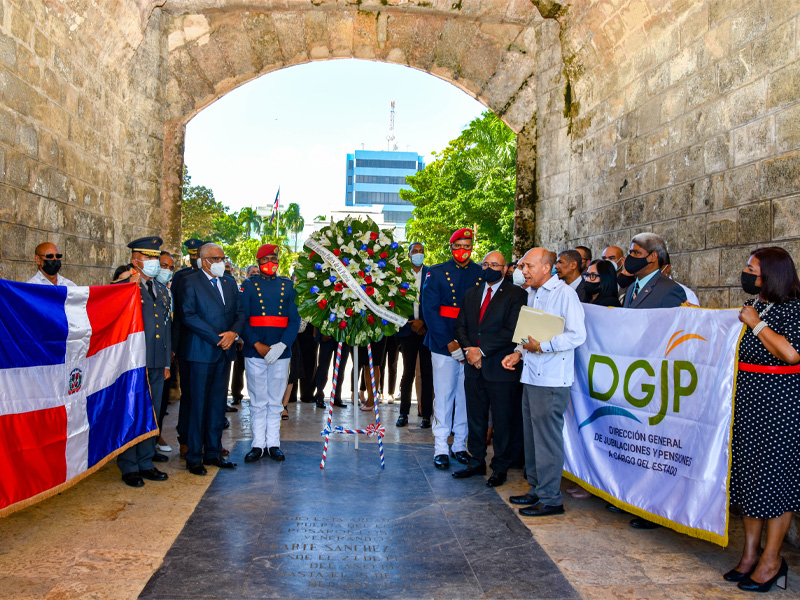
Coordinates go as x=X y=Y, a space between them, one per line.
x=371 y=429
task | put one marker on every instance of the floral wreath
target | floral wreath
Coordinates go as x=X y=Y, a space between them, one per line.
x=357 y=251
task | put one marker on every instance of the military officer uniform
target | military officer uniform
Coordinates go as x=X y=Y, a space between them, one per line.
x=136 y=463
x=271 y=319
x=442 y=293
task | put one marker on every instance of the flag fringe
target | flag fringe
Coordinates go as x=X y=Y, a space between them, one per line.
x=4 y=512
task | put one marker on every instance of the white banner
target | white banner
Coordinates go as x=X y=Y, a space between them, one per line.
x=649 y=424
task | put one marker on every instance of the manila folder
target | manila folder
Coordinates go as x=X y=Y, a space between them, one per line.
x=538 y=324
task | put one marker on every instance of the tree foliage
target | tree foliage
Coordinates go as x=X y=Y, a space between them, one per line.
x=471 y=183
x=199 y=210
x=294 y=221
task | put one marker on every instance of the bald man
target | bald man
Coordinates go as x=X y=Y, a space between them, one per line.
x=615 y=255
x=48 y=261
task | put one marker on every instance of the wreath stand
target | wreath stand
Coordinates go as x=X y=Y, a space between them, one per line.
x=373 y=428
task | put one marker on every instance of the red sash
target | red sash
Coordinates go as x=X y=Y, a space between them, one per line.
x=269 y=321
x=451 y=312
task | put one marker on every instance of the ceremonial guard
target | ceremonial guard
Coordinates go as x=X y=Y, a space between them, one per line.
x=270 y=329
x=136 y=463
x=442 y=293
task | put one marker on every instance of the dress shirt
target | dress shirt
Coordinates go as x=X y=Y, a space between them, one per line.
x=418 y=282
x=643 y=281
x=40 y=279
x=574 y=285
x=494 y=287
x=217 y=284
x=555 y=366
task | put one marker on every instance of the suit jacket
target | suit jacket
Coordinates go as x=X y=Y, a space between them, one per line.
x=405 y=330
x=177 y=318
x=205 y=317
x=493 y=335
x=444 y=287
x=157 y=325
x=583 y=295
x=660 y=292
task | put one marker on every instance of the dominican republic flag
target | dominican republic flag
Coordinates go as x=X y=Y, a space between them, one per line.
x=73 y=385
x=275 y=206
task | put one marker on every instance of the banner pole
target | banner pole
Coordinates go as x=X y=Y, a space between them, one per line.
x=356 y=407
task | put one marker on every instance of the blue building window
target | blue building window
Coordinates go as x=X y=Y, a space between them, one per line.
x=386 y=164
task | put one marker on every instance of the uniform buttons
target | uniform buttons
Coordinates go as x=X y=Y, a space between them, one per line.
x=156 y=326
x=259 y=294
x=281 y=293
x=263 y=314
x=157 y=336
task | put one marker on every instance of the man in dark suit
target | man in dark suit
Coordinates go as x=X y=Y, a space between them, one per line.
x=213 y=317
x=411 y=337
x=568 y=268
x=485 y=329
x=650 y=289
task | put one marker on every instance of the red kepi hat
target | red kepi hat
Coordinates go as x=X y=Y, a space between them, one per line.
x=266 y=249
x=465 y=233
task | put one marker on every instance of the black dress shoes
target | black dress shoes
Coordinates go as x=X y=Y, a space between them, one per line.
x=319 y=403
x=219 y=462
x=402 y=421
x=471 y=471
x=237 y=400
x=426 y=424
x=496 y=479
x=153 y=475
x=541 y=510
x=227 y=424
x=158 y=457
x=524 y=499
x=196 y=468
x=462 y=457
x=229 y=408
x=133 y=479
x=339 y=404
x=253 y=455
x=735 y=576
x=640 y=523
x=749 y=585
x=441 y=461
x=615 y=509
x=276 y=454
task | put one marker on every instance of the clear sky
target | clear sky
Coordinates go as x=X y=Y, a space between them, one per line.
x=294 y=127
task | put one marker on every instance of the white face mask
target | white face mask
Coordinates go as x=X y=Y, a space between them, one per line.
x=517 y=277
x=164 y=276
x=217 y=269
x=150 y=268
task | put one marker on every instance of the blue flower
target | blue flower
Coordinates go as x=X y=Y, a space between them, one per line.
x=314 y=289
x=332 y=318
x=394 y=246
x=384 y=321
x=349 y=231
x=363 y=247
x=381 y=263
x=363 y=312
x=332 y=278
x=404 y=286
x=346 y=261
x=363 y=287
x=318 y=266
x=367 y=268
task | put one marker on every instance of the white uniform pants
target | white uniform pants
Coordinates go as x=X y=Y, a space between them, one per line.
x=448 y=390
x=266 y=385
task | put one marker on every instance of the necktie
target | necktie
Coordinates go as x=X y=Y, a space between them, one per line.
x=635 y=291
x=149 y=285
x=219 y=288
x=485 y=303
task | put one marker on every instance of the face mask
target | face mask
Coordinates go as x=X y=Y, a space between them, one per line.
x=417 y=259
x=553 y=271
x=634 y=265
x=462 y=255
x=269 y=268
x=625 y=280
x=492 y=276
x=518 y=277
x=51 y=267
x=591 y=287
x=749 y=283
x=164 y=276
x=150 y=268
x=217 y=269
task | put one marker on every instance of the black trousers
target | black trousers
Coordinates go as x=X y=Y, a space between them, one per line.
x=173 y=374
x=209 y=386
x=237 y=381
x=327 y=355
x=390 y=364
x=185 y=406
x=412 y=347
x=504 y=399
x=308 y=354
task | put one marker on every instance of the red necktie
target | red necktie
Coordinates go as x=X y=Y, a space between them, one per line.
x=485 y=303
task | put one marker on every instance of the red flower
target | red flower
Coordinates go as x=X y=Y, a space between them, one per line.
x=391 y=304
x=322 y=303
x=368 y=279
x=370 y=290
x=370 y=319
x=399 y=270
x=338 y=287
x=361 y=273
x=337 y=252
x=384 y=255
x=370 y=251
x=403 y=291
x=373 y=235
x=349 y=312
x=343 y=324
x=311 y=255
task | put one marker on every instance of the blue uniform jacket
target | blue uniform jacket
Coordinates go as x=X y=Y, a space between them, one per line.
x=269 y=296
x=445 y=285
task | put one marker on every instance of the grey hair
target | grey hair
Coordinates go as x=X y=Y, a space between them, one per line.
x=652 y=243
x=207 y=246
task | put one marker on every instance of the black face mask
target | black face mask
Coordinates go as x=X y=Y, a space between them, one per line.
x=625 y=280
x=749 y=283
x=591 y=287
x=634 y=265
x=491 y=276
x=51 y=267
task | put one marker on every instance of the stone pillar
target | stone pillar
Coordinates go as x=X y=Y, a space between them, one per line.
x=172 y=186
x=525 y=201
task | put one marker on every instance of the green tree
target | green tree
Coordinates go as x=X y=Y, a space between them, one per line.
x=294 y=221
x=199 y=210
x=471 y=183
x=248 y=218
x=227 y=229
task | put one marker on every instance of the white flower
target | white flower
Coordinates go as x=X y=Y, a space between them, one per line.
x=310 y=275
x=339 y=240
x=327 y=283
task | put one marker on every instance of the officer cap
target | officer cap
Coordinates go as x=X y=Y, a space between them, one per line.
x=193 y=245
x=267 y=249
x=465 y=233
x=149 y=246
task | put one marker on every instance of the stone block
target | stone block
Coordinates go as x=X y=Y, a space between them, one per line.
x=719 y=10
x=748 y=24
x=783 y=85
x=732 y=262
x=780 y=176
x=8 y=51
x=721 y=228
x=747 y=103
x=786 y=218
x=732 y=72
x=649 y=115
x=21 y=27
x=691 y=234
x=8 y=204
x=17 y=170
x=716 y=154
x=741 y=185
x=787 y=129
x=713 y=298
x=658 y=79
x=15 y=245
x=753 y=141
x=774 y=49
x=755 y=223
x=679 y=201
x=8 y=127
x=684 y=64
x=704 y=270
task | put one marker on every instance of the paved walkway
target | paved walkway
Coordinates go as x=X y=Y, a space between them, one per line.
x=102 y=539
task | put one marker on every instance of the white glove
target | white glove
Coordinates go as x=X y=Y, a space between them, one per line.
x=458 y=355
x=275 y=352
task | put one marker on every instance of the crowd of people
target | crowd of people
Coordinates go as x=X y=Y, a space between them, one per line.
x=475 y=384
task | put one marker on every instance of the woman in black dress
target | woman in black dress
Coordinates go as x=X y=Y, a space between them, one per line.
x=600 y=282
x=765 y=470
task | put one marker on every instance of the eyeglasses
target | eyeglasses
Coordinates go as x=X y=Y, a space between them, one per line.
x=591 y=277
x=50 y=256
x=214 y=259
x=493 y=265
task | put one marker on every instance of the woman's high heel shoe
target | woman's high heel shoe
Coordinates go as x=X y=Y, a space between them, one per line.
x=748 y=585
x=735 y=576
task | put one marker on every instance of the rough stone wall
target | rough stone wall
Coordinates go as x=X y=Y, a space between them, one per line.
x=683 y=120
x=82 y=96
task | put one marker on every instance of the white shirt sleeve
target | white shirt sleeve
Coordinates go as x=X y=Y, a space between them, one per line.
x=571 y=309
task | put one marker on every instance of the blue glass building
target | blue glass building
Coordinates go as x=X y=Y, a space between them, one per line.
x=375 y=178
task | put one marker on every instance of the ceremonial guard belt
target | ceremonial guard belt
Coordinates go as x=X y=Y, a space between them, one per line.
x=788 y=370
x=269 y=321
x=451 y=312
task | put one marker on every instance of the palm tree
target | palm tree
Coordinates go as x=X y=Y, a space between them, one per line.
x=294 y=221
x=249 y=219
x=492 y=149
